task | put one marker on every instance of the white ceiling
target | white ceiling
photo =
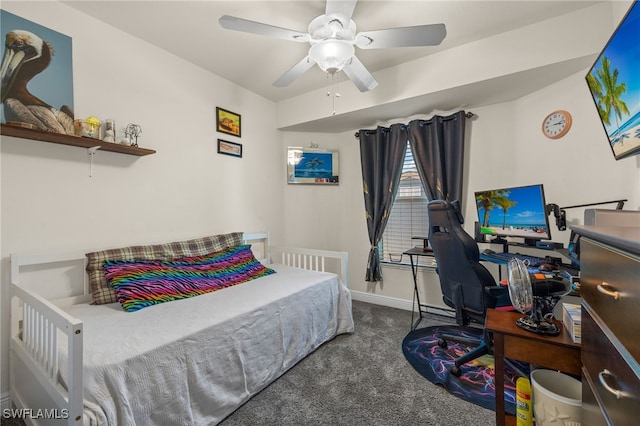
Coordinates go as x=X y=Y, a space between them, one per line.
x=190 y=30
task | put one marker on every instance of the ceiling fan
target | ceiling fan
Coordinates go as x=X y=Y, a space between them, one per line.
x=333 y=36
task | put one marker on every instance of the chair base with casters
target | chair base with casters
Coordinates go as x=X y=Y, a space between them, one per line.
x=481 y=349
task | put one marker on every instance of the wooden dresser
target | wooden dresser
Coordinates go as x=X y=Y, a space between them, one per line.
x=610 y=288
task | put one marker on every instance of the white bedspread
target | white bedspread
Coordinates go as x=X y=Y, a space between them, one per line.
x=194 y=361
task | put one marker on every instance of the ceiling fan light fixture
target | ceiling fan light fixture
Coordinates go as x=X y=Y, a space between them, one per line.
x=332 y=55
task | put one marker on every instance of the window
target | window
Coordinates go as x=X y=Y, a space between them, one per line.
x=408 y=216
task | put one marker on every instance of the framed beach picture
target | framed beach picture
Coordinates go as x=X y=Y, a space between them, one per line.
x=229 y=148
x=614 y=83
x=37 y=80
x=228 y=122
x=312 y=166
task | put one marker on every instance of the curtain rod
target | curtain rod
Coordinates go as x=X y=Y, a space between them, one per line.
x=467 y=114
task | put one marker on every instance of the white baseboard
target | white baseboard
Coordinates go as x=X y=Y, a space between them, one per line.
x=394 y=302
x=376 y=299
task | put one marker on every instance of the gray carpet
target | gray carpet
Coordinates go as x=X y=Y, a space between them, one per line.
x=358 y=379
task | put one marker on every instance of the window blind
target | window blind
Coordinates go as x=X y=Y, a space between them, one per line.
x=408 y=216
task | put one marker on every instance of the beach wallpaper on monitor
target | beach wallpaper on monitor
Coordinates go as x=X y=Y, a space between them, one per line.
x=517 y=212
x=614 y=82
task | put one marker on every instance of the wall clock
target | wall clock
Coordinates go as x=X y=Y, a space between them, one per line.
x=556 y=124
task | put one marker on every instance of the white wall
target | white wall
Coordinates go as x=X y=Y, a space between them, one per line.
x=186 y=190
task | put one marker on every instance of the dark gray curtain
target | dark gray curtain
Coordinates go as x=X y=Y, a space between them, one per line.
x=382 y=154
x=438 y=149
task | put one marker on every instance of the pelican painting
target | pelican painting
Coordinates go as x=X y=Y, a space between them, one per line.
x=37 y=82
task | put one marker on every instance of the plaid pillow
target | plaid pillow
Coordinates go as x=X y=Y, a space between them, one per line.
x=102 y=292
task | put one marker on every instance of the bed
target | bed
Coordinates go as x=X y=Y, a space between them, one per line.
x=189 y=361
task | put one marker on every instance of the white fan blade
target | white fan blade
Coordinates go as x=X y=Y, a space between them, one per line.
x=360 y=76
x=296 y=71
x=341 y=7
x=244 y=25
x=420 y=35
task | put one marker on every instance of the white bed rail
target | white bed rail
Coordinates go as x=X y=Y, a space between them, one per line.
x=40 y=331
x=315 y=260
x=37 y=326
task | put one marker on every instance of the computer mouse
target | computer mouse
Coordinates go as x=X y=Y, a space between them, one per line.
x=547 y=267
x=488 y=251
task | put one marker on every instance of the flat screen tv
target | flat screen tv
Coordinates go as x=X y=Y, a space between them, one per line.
x=514 y=212
x=614 y=82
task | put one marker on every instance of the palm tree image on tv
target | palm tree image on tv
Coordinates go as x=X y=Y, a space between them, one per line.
x=518 y=212
x=608 y=94
x=614 y=84
x=487 y=201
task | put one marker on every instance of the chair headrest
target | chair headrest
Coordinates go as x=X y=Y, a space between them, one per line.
x=452 y=207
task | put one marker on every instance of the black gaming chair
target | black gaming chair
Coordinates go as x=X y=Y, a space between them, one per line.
x=467 y=286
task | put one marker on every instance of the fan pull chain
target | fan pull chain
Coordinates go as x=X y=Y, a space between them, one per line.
x=336 y=93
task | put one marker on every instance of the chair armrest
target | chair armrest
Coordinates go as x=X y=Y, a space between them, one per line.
x=498 y=296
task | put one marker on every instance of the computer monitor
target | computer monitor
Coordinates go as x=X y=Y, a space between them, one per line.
x=513 y=212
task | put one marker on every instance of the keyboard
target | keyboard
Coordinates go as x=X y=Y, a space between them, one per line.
x=534 y=261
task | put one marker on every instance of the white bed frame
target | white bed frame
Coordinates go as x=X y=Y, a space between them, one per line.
x=36 y=324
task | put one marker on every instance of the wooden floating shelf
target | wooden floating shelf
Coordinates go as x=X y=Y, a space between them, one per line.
x=80 y=141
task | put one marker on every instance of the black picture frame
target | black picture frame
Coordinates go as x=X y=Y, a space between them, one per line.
x=229 y=148
x=228 y=122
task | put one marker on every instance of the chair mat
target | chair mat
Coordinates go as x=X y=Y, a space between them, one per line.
x=476 y=382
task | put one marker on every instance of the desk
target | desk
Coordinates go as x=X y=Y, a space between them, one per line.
x=414 y=255
x=510 y=341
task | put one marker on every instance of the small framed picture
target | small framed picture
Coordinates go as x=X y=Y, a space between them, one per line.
x=229 y=148
x=228 y=122
x=312 y=166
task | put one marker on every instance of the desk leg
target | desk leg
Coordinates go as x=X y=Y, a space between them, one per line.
x=498 y=355
x=416 y=296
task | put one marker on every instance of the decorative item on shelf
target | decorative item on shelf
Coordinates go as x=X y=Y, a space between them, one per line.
x=132 y=131
x=109 y=130
x=124 y=140
x=89 y=127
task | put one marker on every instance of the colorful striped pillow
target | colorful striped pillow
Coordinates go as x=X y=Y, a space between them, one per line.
x=142 y=283
x=102 y=292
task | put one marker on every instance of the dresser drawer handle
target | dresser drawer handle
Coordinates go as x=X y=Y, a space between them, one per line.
x=601 y=376
x=605 y=288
